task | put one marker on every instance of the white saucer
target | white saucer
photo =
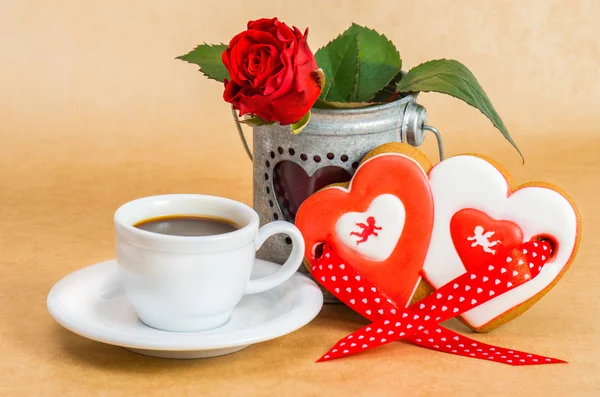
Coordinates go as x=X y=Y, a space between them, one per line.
x=92 y=303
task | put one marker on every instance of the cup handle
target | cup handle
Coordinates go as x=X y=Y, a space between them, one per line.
x=290 y=266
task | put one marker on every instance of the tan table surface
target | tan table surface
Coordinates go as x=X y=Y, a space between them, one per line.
x=94 y=112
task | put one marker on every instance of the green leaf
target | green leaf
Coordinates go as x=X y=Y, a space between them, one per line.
x=255 y=121
x=451 y=77
x=208 y=57
x=389 y=91
x=339 y=62
x=357 y=65
x=299 y=126
x=378 y=62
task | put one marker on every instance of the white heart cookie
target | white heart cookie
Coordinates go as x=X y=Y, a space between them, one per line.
x=373 y=234
x=471 y=182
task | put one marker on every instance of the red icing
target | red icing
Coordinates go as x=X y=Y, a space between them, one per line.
x=393 y=174
x=478 y=238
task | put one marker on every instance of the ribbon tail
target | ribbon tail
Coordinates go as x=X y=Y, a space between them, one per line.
x=447 y=341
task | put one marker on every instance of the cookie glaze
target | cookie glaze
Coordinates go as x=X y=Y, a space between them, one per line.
x=471 y=183
x=381 y=223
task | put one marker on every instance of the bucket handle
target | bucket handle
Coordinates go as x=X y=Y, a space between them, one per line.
x=241 y=133
x=438 y=137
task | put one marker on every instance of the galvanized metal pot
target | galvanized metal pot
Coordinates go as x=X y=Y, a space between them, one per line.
x=288 y=168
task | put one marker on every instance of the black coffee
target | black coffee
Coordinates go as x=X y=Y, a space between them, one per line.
x=187 y=225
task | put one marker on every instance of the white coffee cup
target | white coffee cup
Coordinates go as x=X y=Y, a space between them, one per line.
x=193 y=283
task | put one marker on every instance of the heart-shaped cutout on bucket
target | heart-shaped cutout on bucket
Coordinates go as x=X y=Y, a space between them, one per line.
x=292 y=185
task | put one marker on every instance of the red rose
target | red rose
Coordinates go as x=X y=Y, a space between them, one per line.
x=273 y=72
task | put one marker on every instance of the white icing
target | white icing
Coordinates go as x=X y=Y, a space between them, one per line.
x=471 y=182
x=388 y=214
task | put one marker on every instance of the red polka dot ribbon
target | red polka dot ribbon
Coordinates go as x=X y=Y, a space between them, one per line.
x=419 y=323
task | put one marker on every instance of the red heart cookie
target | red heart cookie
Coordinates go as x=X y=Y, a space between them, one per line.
x=381 y=223
x=478 y=237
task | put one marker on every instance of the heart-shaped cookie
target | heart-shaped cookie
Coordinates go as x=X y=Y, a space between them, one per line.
x=380 y=223
x=477 y=212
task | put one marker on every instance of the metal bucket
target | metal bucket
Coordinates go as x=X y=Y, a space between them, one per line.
x=287 y=167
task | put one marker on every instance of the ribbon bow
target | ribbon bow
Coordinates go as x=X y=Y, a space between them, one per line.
x=419 y=323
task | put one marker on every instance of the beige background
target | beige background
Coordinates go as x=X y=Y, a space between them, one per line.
x=95 y=111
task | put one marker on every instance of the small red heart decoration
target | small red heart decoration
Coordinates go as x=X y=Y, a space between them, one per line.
x=478 y=237
x=381 y=224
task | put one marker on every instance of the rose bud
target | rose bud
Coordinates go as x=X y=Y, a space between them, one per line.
x=273 y=72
